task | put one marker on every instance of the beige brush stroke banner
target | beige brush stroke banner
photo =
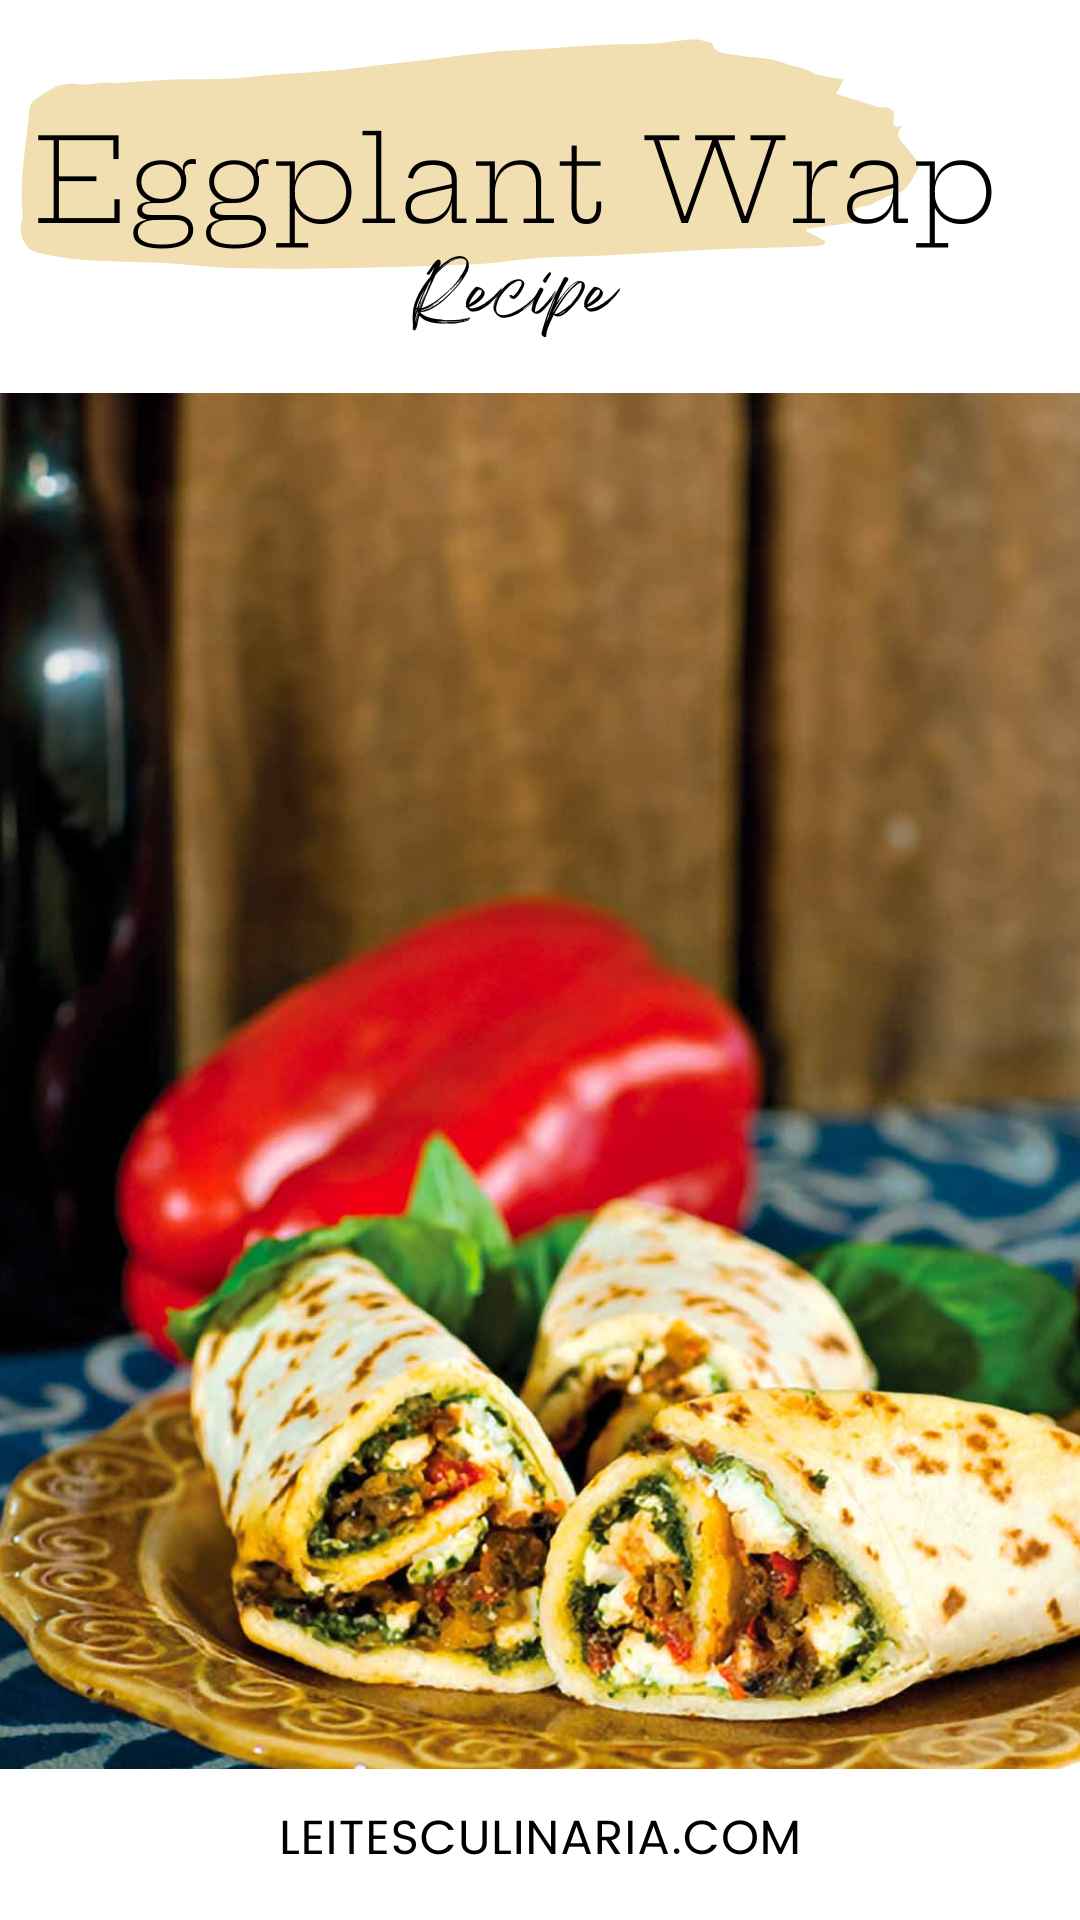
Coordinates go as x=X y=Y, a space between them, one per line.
x=488 y=107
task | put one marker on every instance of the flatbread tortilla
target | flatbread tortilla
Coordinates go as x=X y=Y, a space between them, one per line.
x=777 y=1555
x=366 y=1461
x=655 y=1305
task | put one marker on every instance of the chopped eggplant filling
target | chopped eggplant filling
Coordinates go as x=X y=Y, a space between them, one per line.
x=774 y=1616
x=478 y=1593
x=431 y=1452
x=582 y=1400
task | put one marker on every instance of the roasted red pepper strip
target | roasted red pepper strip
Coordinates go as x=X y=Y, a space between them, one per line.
x=566 y=1064
x=679 y=1645
x=735 y=1687
x=787 y=1574
x=451 y=1476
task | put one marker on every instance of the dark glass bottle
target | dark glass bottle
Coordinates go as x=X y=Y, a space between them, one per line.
x=84 y=881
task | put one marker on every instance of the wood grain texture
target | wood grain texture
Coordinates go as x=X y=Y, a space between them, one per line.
x=920 y=864
x=430 y=650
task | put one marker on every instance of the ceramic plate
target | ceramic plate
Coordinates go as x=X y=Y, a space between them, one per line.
x=114 y=1567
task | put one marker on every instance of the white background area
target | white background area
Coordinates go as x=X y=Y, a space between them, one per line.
x=866 y=310
x=920 y=1844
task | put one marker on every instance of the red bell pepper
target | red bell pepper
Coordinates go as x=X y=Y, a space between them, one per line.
x=565 y=1063
x=786 y=1572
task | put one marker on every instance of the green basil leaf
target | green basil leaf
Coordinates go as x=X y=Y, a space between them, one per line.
x=446 y=1193
x=971 y=1325
x=440 y=1270
x=257 y=1270
x=504 y=1321
x=541 y=1256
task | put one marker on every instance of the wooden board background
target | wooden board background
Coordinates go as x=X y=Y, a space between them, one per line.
x=795 y=688
x=429 y=650
x=921 y=865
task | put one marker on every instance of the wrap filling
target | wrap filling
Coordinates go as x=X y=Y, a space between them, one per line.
x=695 y=1577
x=585 y=1398
x=473 y=1588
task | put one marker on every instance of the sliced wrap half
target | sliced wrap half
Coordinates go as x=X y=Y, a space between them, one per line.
x=390 y=1499
x=655 y=1306
x=771 y=1555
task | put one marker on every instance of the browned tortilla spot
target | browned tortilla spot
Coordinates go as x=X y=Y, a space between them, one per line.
x=932 y=1433
x=1067 y=1529
x=977 y=1440
x=236 y=1384
x=867 y=1399
x=365 y=1365
x=925 y=1547
x=304 y=1407
x=847 y=1518
x=1053 y=1608
x=233 y=1484
x=832 y=1343
x=1023 y=1552
x=872 y=1553
x=927 y=1464
x=665 y=1259
x=585 y=1263
x=316 y=1291
x=953 y=1602
x=877 y=1465
x=991 y=1471
x=340 y=1352
x=287 y=1487
x=987 y=1420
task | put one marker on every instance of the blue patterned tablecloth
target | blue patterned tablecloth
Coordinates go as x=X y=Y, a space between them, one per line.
x=1006 y=1181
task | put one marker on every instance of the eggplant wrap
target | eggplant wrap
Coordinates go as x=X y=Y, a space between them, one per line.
x=775 y=1555
x=654 y=1306
x=390 y=1499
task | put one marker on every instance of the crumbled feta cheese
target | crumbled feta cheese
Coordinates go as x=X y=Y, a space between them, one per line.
x=629 y=1548
x=639 y=1663
x=487 y=1441
x=756 y=1519
x=397 y=1620
x=700 y=1380
x=448 y=1555
x=832 y=1631
x=408 y=1452
x=615 y=1609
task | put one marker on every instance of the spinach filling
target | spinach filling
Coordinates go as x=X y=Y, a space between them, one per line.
x=461 y=1607
x=367 y=1631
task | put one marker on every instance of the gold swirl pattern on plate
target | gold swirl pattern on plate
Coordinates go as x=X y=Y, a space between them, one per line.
x=114 y=1566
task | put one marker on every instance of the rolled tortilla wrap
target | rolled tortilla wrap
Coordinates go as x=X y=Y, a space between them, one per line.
x=654 y=1306
x=775 y=1555
x=390 y=1499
